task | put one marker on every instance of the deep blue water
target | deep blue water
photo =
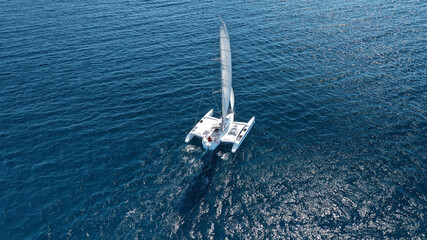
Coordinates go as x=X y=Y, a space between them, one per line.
x=96 y=98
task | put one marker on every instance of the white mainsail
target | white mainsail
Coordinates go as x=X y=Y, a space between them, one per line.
x=225 y=71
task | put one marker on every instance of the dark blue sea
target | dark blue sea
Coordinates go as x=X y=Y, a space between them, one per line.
x=97 y=97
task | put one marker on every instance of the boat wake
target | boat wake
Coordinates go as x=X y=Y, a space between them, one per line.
x=200 y=185
x=195 y=194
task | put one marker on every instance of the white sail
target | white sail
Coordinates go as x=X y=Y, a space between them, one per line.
x=225 y=71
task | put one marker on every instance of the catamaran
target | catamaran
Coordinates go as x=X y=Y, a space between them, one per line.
x=213 y=130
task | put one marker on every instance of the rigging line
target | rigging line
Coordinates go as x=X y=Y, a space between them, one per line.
x=200 y=101
x=198 y=109
x=245 y=62
x=216 y=103
x=217 y=59
x=203 y=90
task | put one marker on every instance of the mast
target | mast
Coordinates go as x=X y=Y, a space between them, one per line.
x=232 y=100
x=225 y=72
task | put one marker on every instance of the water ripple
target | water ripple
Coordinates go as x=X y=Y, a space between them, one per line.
x=96 y=99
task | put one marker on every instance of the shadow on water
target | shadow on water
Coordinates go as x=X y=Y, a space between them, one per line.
x=199 y=187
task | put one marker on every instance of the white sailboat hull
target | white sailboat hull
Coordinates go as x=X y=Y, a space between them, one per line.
x=209 y=130
x=204 y=127
x=211 y=145
x=245 y=131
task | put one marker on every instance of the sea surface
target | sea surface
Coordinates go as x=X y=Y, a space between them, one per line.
x=96 y=99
